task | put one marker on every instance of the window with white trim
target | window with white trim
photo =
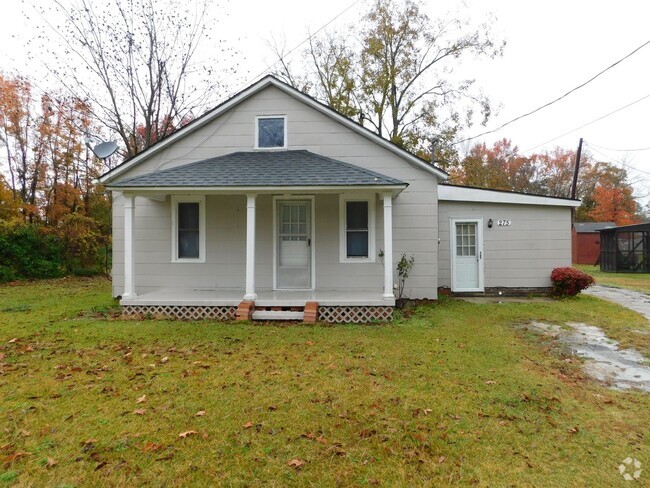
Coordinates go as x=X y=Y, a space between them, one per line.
x=271 y=132
x=357 y=229
x=188 y=228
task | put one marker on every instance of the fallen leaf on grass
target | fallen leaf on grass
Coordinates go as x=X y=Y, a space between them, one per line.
x=272 y=408
x=200 y=413
x=183 y=435
x=100 y=465
x=490 y=382
x=165 y=458
x=151 y=447
x=248 y=425
x=15 y=456
x=441 y=459
x=141 y=399
x=50 y=463
x=310 y=343
x=164 y=360
x=2 y=356
x=573 y=430
x=321 y=440
x=11 y=341
x=139 y=411
x=296 y=463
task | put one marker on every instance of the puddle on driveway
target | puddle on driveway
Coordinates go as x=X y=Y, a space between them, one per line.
x=604 y=360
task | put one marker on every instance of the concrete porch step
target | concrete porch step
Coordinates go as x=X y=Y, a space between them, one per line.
x=277 y=315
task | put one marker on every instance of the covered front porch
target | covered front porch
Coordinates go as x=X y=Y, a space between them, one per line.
x=266 y=251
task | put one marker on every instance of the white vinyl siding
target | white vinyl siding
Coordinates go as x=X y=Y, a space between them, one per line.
x=521 y=255
x=415 y=210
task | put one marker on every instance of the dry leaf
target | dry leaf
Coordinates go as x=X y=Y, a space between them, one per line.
x=310 y=343
x=272 y=408
x=139 y=411
x=295 y=463
x=200 y=413
x=248 y=425
x=50 y=463
x=15 y=456
x=490 y=382
x=2 y=356
x=461 y=346
x=183 y=435
x=441 y=459
x=321 y=440
x=151 y=446
x=141 y=399
x=11 y=341
x=573 y=430
x=427 y=411
x=164 y=360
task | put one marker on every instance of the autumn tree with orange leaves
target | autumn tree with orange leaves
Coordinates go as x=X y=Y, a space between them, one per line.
x=603 y=188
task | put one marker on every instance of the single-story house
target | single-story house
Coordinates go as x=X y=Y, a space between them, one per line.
x=585 y=241
x=273 y=206
x=625 y=249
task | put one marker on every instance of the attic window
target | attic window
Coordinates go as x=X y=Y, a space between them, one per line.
x=270 y=132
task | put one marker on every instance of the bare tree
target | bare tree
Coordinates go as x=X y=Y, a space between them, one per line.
x=393 y=72
x=134 y=60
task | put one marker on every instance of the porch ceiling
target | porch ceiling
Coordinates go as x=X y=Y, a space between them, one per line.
x=262 y=169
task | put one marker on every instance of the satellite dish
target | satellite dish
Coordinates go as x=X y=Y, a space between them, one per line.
x=105 y=149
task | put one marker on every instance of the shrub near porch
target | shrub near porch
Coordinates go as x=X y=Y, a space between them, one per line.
x=453 y=394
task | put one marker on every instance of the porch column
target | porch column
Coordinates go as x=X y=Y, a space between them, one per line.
x=250 y=247
x=129 y=262
x=388 y=246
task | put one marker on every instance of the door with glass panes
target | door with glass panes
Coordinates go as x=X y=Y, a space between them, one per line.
x=467 y=256
x=294 y=245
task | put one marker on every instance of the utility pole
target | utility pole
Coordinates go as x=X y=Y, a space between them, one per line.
x=575 y=172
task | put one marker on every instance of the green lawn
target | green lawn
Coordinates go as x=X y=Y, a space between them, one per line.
x=632 y=281
x=454 y=394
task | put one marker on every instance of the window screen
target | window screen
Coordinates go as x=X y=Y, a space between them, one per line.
x=270 y=132
x=188 y=230
x=356 y=226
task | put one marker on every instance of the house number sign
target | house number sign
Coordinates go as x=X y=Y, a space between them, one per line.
x=504 y=223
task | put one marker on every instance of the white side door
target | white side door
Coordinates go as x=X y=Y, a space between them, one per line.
x=466 y=255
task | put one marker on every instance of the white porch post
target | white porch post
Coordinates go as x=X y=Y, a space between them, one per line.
x=250 y=247
x=129 y=262
x=388 y=246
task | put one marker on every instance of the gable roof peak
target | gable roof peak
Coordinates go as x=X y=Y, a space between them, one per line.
x=250 y=91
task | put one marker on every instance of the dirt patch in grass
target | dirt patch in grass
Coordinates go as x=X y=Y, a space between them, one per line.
x=451 y=394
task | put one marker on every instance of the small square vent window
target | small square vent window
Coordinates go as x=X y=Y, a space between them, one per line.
x=271 y=132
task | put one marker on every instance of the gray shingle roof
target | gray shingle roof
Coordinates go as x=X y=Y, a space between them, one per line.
x=584 y=227
x=262 y=168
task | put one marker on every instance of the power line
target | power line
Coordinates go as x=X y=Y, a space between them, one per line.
x=589 y=123
x=557 y=99
x=622 y=150
x=612 y=161
x=250 y=79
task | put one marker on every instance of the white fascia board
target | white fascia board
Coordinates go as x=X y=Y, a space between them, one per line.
x=111 y=175
x=415 y=161
x=235 y=190
x=464 y=194
x=251 y=90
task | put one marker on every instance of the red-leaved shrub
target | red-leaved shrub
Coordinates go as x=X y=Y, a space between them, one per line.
x=570 y=281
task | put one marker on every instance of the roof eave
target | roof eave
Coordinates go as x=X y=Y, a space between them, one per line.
x=144 y=190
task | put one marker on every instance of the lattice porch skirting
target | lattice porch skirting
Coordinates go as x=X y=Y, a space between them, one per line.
x=355 y=314
x=181 y=312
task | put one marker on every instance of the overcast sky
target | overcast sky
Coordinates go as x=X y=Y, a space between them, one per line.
x=552 y=47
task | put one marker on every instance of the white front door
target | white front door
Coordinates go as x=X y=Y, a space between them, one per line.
x=294 y=245
x=466 y=255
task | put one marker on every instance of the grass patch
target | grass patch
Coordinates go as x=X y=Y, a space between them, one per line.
x=453 y=394
x=631 y=281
